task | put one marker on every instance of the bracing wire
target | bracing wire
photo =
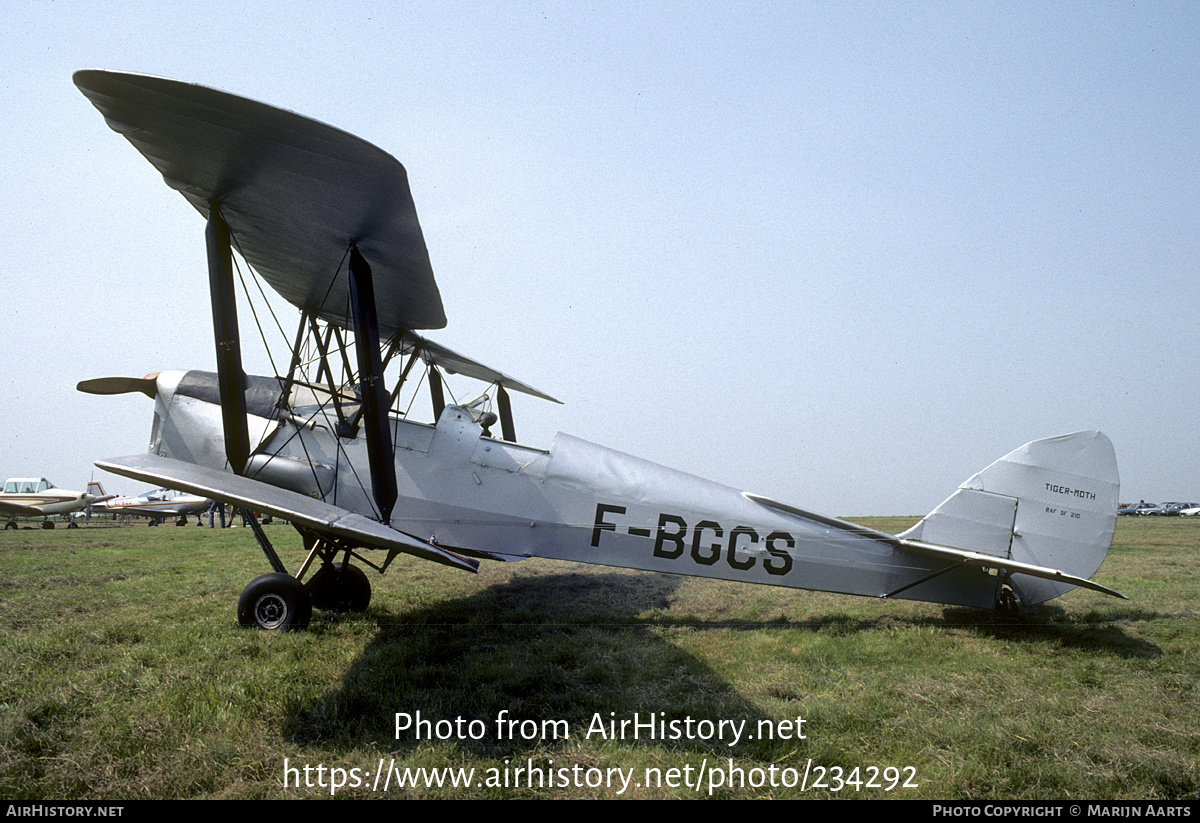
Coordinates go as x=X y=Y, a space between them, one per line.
x=322 y=409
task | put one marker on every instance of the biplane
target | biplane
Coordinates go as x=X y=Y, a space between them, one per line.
x=327 y=220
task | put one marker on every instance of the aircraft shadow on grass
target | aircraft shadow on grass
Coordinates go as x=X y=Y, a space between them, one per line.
x=576 y=646
x=1051 y=623
x=556 y=647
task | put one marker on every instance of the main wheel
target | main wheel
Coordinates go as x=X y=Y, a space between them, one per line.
x=338 y=589
x=275 y=602
x=11 y=524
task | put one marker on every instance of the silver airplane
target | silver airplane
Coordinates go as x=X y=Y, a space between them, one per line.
x=156 y=504
x=327 y=221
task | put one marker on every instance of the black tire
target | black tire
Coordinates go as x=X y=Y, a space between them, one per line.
x=11 y=524
x=46 y=524
x=275 y=602
x=335 y=589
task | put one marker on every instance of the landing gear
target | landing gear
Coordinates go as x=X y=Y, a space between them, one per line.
x=46 y=524
x=275 y=602
x=11 y=524
x=280 y=602
x=340 y=588
x=1007 y=603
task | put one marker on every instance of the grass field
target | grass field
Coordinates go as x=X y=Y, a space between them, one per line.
x=124 y=675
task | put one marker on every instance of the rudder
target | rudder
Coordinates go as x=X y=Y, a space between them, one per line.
x=1050 y=503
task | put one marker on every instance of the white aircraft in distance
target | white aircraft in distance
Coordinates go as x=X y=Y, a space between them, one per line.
x=328 y=221
x=157 y=504
x=38 y=497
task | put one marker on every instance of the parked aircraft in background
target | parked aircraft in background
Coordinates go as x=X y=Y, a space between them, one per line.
x=38 y=497
x=328 y=221
x=158 y=505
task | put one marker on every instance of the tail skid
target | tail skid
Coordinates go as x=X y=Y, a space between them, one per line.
x=1042 y=517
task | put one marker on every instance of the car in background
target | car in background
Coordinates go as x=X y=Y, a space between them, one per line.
x=1192 y=512
x=1167 y=509
x=1136 y=508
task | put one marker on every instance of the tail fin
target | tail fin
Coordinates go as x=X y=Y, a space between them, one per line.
x=1051 y=503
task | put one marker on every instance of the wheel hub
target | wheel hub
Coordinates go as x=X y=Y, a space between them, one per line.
x=270 y=611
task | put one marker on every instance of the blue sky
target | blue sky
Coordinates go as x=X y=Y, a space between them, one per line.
x=841 y=254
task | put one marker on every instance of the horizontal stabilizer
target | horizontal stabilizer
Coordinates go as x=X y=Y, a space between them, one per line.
x=990 y=561
x=244 y=493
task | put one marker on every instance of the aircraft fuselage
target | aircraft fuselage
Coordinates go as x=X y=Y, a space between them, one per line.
x=38 y=497
x=462 y=490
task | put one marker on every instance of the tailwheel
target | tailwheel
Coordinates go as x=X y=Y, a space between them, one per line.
x=340 y=588
x=275 y=602
x=1007 y=604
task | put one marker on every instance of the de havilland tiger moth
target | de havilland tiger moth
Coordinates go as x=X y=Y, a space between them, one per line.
x=328 y=221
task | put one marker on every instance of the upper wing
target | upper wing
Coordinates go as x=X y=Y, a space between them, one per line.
x=456 y=363
x=296 y=193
